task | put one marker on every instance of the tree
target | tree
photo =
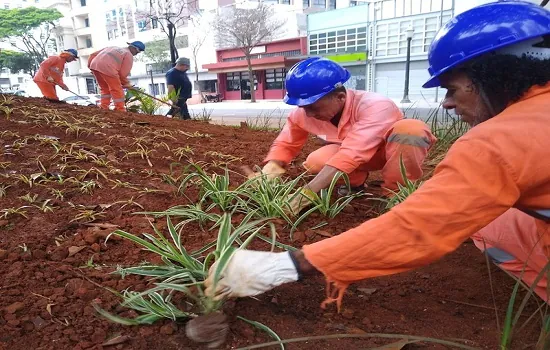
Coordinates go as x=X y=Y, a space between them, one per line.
x=16 y=61
x=169 y=15
x=201 y=30
x=246 y=28
x=29 y=30
x=156 y=52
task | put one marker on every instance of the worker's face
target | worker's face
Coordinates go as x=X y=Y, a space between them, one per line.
x=134 y=51
x=463 y=96
x=327 y=107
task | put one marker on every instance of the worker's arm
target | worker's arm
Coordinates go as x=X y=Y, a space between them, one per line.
x=125 y=68
x=46 y=67
x=322 y=179
x=289 y=142
x=470 y=188
x=366 y=135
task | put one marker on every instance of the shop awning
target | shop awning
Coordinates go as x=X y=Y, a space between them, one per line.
x=257 y=64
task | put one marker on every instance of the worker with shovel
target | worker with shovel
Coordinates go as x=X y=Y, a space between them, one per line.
x=51 y=73
x=180 y=87
x=493 y=185
x=111 y=67
x=362 y=131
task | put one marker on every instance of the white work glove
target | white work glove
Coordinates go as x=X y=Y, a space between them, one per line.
x=251 y=273
x=50 y=79
x=272 y=170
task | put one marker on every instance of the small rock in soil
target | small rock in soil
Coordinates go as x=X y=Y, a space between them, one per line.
x=168 y=329
x=349 y=209
x=3 y=254
x=348 y=313
x=310 y=234
x=96 y=247
x=38 y=322
x=74 y=250
x=211 y=328
x=59 y=254
x=13 y=308
x=28 y=326
x=14 y=323
x=367 y=291
x=299 y=237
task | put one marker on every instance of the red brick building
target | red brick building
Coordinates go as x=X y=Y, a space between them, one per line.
x=270 y=62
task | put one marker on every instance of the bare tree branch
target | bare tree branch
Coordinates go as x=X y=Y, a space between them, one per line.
x=246 y=29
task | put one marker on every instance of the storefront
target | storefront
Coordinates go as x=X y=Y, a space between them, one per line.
x=270 y=62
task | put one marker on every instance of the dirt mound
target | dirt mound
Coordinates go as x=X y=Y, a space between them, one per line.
x=71 y=175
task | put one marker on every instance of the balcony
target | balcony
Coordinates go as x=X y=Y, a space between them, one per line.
x=83 y=31
x=80 y=11
x=86 y=51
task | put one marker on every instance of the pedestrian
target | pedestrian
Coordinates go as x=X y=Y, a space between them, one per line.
x=493 y=185
x=362 y=131
x=51 y=73
x=111 y=67
x=180 y=87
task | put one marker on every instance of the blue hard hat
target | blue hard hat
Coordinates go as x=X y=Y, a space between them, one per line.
x=309 y=80
x=484 y=29
x=138 y=45
x=72 y=52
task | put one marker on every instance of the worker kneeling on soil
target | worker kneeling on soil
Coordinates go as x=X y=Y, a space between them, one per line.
x=51 y=73
x=492 y=186
x=363 y=132
x=111 y=67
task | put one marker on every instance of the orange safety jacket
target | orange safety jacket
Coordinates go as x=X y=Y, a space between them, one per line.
x=112 y=61
x=53 y=66
x=366 y=118
x=499 y=164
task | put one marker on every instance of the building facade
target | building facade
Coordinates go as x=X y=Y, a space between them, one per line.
x=270 y=63
x=370 y=40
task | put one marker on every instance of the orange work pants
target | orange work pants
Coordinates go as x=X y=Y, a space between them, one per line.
x=48 y=90
x=409 y=138
x=514 y=241
x=110 y=87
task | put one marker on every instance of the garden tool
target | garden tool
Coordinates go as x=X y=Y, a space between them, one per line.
x=74 y=93
x=153 y=97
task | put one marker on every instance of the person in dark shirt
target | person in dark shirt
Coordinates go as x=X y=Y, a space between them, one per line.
x=177 y=80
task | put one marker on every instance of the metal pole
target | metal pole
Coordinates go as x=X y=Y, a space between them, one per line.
x=407 y=69
x=440 y=25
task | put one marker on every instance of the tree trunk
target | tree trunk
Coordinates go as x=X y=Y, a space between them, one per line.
x=197 y=78
x=251 y=79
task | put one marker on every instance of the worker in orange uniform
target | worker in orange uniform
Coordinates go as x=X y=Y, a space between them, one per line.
x=111 y=67
x=363 y=131
x=493 y=185
x=51 y=73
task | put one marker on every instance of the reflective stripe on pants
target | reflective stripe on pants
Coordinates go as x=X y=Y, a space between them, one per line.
x=110 y=87
x=515 y=241
x=408 y=138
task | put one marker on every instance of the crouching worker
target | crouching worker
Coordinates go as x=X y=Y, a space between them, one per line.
x=363 y=131
x=111 y=67
x=493 y=185
x=51 y=73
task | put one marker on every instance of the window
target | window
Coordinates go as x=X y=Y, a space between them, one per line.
x=233 y=81
x=352 y=3
x=275 y=79
x=20 y=80
x=91 y=86
x=89 y=42
x=142 y=26
x=305 y=3
x=7 y=6
x=86 y=22
x=332 y=4
x=285 y=2
x=154 y=23
x=319 y=3
x=82 y=2
x=154 y=89
x=346 y=40
x=162 y=88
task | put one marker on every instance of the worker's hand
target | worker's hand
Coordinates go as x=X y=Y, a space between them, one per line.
x=299 y=201
x=251 y=273
x=129 y=86
x=50 y=80
x=271 y=170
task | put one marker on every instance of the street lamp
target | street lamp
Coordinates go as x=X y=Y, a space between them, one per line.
x=410 y=33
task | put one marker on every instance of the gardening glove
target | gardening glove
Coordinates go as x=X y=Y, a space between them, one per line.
x=50 y=80
x=271 y=170
x=251 y=273
x=304 y=199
